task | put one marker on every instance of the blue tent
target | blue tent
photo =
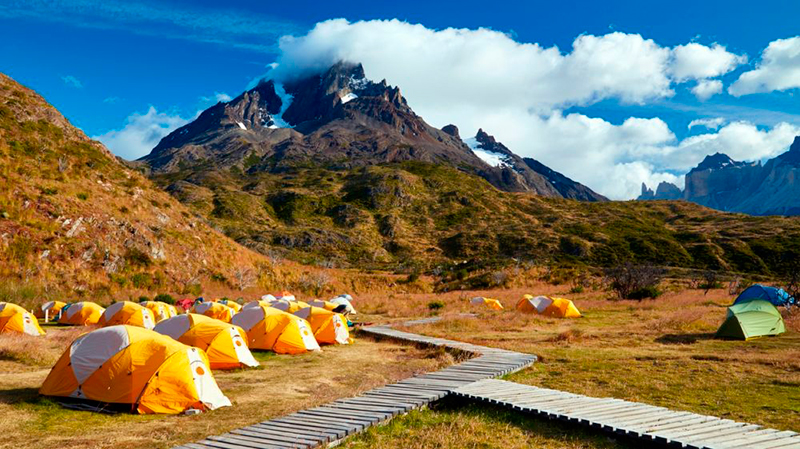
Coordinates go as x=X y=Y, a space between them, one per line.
x=777 y=296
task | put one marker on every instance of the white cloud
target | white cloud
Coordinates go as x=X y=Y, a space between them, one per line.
x=710 y=123
x=697 y=61
x=141 y=133
x=216 y=98
x=741 y=141
x=518 y=91
x=71 y=81
x=778 y=69
x=482 y=66
x=705 y=89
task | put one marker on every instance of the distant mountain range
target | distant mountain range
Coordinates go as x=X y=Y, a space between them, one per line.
x=360 y=181
x=722 y=183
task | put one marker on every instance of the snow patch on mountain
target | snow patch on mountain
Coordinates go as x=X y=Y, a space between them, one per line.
x=490 y=157
x=349 y=97
x=286 y=100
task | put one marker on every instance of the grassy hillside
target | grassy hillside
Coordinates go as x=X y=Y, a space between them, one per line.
x=422 y=215
x=75 y=221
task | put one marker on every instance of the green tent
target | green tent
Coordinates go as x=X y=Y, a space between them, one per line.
x=750 y=320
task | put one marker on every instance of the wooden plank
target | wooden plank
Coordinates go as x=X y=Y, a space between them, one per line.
x=290 y=429
x=280 y=435
x=256 y=443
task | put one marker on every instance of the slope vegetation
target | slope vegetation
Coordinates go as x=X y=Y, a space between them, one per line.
x=75 y=219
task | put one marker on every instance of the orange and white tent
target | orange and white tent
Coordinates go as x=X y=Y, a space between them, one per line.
x=488 y=302
x=16 y=320
x=83 y=313
x=126 y=312
x=232 y=304
x=274 y=330
x=130 y=365
x=286 y=296
x=288 y=306
x=50 y=308
x=224 y=343
x=328 y=327
x=346 y=301
x=543 y=305
x=161 y=310
x=214 y=310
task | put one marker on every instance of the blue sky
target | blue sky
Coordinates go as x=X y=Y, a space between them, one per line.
x=108 y=64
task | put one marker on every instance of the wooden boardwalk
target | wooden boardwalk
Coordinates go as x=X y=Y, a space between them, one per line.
x=652 y=426
x=326 y=425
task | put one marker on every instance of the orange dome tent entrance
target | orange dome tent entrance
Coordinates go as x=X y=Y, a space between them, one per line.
x=16 y=320
x=214 y=310
x=49 y=310
x=274 y=330
x=488 y=302
x=328 y=327
x=126 y=312
x=135 y=367
x=81 y=314
x=553 y=307
x=224 y=343
x=161 y=310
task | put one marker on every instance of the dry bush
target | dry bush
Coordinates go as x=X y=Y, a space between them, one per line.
x=568 y=336
x=632 y=281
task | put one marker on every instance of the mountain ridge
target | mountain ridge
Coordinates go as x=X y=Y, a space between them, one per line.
x=725 y=184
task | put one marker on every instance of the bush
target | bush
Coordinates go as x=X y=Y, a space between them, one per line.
x=193 y=289
x=83 y=196
x=631 y=281
x=576 y=289
x=143 y=299
x=141 y=280
x=435 y=305
x=165 y=298
x=651 y=292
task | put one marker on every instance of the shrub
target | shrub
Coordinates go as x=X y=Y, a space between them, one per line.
x=193 y=289
x=435 y=305
x=137 y=257
x=631 y=281
x=462 y=274
x=576 y=289
x=165 y=298
x=83 y=196
x=143 y=299
x=141 y=280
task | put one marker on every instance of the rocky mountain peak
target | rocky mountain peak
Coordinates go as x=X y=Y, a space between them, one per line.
x=451 y=130
x=793 y=155
x=716 y=161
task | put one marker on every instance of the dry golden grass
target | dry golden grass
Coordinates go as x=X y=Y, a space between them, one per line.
x=282 y=385
x=657 y=351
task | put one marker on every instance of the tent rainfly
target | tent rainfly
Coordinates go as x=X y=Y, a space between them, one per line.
x=752 y=319
x=137 y=369
x=776 y=296
x=274 y=330
x=328 y=327
x=488 y=302
x=543 y=305
x=224 y=343
x=214 y=310
x=126 y=312
x=16 y=320
x=50 y=308
x=83 y=313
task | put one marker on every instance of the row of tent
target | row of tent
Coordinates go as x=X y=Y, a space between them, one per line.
x=540 y=305
x=168 y=366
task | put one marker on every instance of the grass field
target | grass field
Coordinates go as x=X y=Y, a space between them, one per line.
x=656 y=351
x=281 y=385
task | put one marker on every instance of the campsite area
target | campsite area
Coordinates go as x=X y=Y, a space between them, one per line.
x=660 y=351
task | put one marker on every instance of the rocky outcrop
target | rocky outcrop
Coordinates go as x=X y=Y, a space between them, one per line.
x=664 y=191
